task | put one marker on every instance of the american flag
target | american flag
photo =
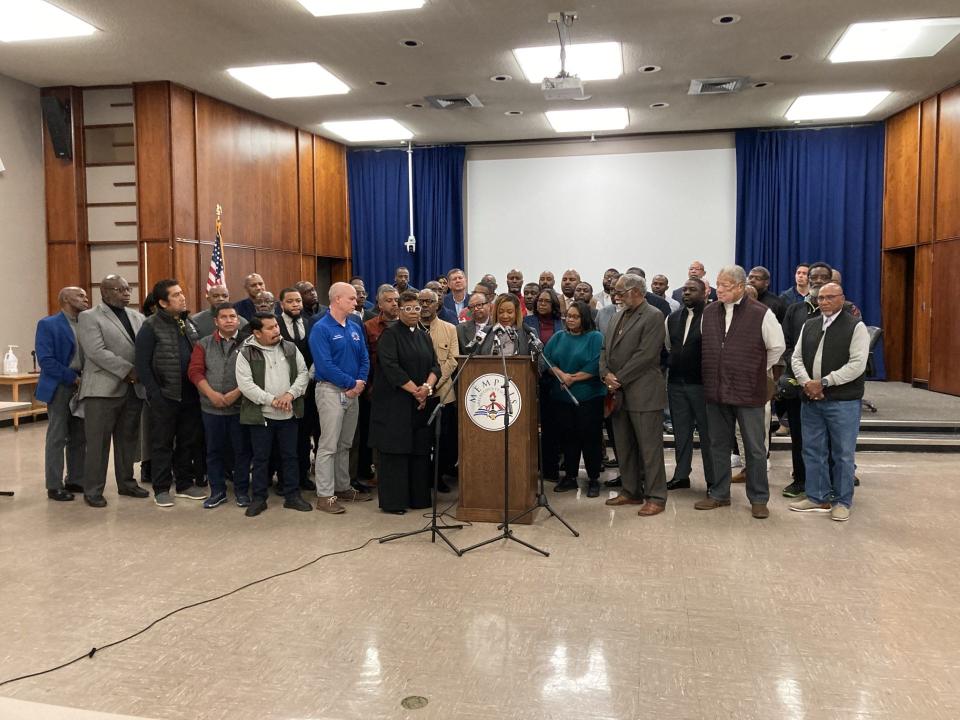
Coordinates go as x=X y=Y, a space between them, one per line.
x=215 y=275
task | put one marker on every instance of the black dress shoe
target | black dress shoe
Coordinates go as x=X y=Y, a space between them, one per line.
x=616 y=482
x=133 y=491
x=73 y=487
x=593 y=488
x=678 y=484
x=202 y=481
x=394 y=512
x=308 y=485
x=60 y=494
x=358 y=486
x=295 y=502
x=257 y=507
x=566 y=485
x=97 y=501
x=611 y=463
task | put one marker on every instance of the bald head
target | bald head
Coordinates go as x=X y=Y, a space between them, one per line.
x=343 y=300
x=73 y=300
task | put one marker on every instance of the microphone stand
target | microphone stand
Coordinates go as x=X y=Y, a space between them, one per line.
x=435 y=529
x=541 y=501
x=506 y=533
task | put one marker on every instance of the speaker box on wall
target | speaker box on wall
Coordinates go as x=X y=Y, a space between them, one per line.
x=57 y=117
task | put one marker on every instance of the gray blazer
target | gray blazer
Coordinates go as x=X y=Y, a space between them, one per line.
x=633 y=355
x=107 y=352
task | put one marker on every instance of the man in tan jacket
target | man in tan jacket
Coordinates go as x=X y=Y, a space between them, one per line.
x=630 y=366
x=446 y=345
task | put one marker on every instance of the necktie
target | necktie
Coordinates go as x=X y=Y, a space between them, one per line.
x=296 y=331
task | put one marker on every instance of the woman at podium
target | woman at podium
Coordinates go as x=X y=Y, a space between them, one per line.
x=405 y=377
x=507 y=335
x=575 y=355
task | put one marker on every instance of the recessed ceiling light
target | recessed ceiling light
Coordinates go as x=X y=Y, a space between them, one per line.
x=410 y=42
x=380 y=83
x=588 y=61
x=502 y=78
x=650 y=68
x=658 y=105
x=588 y=120
x=294 y=80
x=513 y=113
x=896 y=39
x=38 y=20
x=369 y=130
x=787 y=57
x=321 y=8
x=724 y=19
x=835 y=105
x=415 y=105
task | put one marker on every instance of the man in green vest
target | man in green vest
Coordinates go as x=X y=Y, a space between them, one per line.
x=272 y=377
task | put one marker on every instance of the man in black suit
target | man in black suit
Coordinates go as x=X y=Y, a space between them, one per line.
x=759 y=278
x=254 y=285
x=469 y=331
x=696 y=270
x=311 y=302
x=293 y=327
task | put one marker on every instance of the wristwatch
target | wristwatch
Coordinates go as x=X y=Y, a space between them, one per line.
x=825 y=382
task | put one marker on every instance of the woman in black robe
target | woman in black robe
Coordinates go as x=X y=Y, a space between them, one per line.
x=406 y=373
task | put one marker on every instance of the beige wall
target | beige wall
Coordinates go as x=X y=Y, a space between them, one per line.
x=23 y=256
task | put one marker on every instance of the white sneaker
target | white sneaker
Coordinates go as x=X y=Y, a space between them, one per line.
x=735 y=461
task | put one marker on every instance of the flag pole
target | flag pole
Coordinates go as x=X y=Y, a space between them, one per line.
x=223 y=259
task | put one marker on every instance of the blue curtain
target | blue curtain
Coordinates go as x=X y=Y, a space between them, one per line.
x=809 y=195
x=379 y=214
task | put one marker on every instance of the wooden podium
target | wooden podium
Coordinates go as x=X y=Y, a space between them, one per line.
x=480 y=412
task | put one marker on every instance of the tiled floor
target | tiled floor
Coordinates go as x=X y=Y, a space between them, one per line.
x=687 y=615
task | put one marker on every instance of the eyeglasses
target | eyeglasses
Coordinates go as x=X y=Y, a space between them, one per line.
x=411 y=308
x=827 y=297
x=476 y=306
x=423 y=301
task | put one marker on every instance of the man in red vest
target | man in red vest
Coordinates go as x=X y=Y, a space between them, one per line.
x=742 y=341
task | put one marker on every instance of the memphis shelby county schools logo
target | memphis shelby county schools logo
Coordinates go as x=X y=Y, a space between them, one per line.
x=485 y=404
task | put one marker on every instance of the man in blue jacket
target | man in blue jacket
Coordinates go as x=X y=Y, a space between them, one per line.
x=61 y=360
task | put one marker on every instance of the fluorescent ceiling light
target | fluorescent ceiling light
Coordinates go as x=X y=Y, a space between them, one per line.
x=588 y=120
x=294 y=80
x=896 y=39
x=835 y=105
x=369 y=130
x=321 y=8
x=38 y=20
x=588 y=61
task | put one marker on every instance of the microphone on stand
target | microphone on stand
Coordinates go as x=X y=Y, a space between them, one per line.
x=498 y=341
x=481 y=334
x=533 y=339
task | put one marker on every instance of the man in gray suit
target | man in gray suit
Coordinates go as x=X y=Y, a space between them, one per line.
x=111 y=394
x=630 y=365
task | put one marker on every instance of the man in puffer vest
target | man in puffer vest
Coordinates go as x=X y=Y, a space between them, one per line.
x=213 y=369
x=272 y=378
x=830 y=362
x=741 y=341
x=162 y=357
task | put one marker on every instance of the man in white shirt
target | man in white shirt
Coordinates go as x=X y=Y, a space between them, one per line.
x=829 y=361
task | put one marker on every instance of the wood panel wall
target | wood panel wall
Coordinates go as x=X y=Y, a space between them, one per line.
x=921 y=242
x=282 y=190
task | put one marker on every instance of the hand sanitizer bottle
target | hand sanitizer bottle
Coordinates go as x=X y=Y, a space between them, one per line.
x=10 y=366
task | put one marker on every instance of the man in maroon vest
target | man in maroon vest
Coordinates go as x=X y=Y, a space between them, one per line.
x=742 y=341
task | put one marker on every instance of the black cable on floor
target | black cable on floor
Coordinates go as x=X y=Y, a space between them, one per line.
x=95 y=650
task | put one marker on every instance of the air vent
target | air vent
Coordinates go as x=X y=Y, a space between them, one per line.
x=716 y=86
x=449 y=102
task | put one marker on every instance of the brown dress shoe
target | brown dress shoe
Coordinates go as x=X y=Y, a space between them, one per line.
x=759 y=510
x=650 y=508
x=740 y=477
x=622 y=499
x=710 y=503
x=330 y=505
x=353 y=495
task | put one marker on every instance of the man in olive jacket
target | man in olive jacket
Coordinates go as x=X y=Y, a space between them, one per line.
x=630 y=365
x=272 y=378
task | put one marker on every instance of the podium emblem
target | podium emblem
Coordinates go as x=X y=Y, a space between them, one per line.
x=485 y=404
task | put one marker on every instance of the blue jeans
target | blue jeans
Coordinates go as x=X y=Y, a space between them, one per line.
x=224 y=434
x=830 y=429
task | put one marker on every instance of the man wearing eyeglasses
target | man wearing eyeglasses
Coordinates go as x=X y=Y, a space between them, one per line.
x=830 y=362
x=446 y=346
x=469 y=331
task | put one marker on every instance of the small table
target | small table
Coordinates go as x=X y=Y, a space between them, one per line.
x=31 y=408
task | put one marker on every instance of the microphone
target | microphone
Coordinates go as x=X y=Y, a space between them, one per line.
x=533 y=339
x=481 y=334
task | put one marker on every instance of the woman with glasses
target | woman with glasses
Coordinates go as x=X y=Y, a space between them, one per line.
x=506 y=336
x=405 y=378
x=575 y=355
x=545 y=321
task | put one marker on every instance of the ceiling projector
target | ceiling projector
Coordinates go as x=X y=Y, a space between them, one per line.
x=563 y=87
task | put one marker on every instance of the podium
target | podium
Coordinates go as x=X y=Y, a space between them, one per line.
x=481 y=408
